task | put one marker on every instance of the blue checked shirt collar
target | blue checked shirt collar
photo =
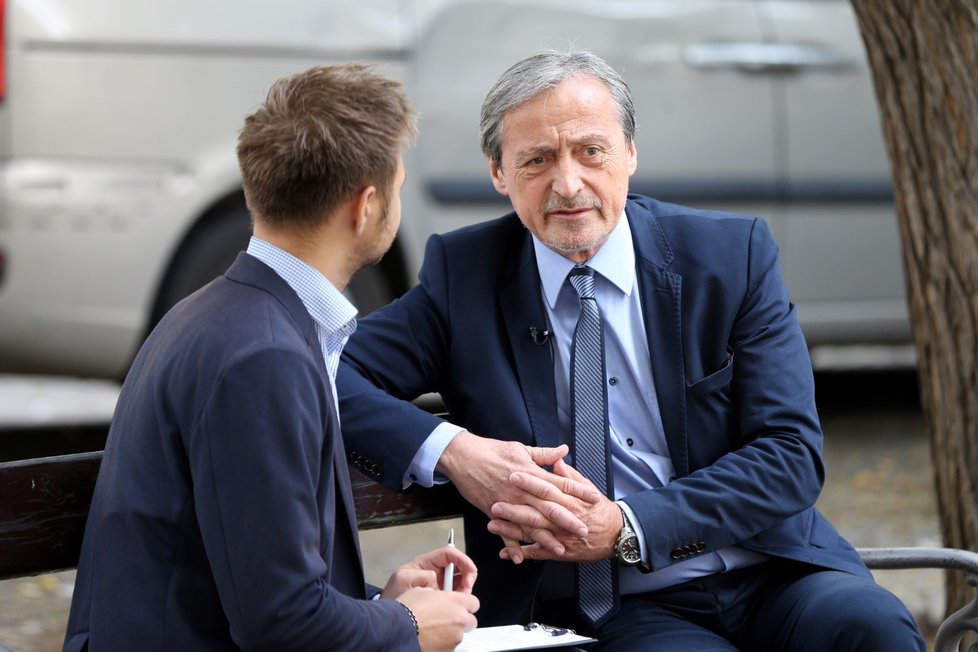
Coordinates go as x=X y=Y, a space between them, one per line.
x=333 y=313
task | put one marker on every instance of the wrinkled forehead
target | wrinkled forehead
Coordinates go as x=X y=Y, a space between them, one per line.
x=574 y=110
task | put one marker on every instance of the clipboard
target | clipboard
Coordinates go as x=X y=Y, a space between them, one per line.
x=533 y=636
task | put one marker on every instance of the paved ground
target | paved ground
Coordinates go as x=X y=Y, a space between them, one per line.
x=879 y=492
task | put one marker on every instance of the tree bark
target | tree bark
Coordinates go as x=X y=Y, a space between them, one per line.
x=924 y=59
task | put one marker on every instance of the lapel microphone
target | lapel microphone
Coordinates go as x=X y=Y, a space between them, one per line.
x=539 y=337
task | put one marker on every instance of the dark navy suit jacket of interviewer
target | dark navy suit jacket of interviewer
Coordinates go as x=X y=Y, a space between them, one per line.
x=223 y=515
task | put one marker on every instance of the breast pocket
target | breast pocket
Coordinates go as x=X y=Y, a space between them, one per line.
x=711 y=420
x=717 y=380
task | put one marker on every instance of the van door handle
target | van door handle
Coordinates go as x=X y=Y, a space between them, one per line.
x=758 y=57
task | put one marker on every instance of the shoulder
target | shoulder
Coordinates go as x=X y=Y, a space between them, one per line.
x=700 y=236
x=500 y=232
x=480 y=253
x=677 y=219
x=227 y=322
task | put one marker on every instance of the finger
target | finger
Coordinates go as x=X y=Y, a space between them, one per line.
x=571 y=483
x=547 y=540
x=557 y=489
x=469 y=623
x=540 y=537
x=525 y=516
x=466 y=571
x=513 y=545
x=564 y=469
x=417 y=578
x=425 y=579
x=506 y=530
x=547 y=456
x=532 y=551
x=439 y=558
x=462 y=561
x=510 y=534
x=465 y=581
x=540 y=514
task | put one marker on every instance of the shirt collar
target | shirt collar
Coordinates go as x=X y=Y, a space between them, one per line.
x=614 y=260
x=326 y=305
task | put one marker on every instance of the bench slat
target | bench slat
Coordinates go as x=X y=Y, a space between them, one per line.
x=45 y=503
x=43 y=510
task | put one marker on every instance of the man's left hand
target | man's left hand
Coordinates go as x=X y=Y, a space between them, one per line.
x=426 y=571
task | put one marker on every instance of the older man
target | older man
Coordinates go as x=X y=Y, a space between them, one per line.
x=659 y=343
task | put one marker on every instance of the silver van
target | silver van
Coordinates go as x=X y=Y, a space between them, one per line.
x=119 y=188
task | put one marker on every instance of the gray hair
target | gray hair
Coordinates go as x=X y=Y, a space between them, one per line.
x=543 y=71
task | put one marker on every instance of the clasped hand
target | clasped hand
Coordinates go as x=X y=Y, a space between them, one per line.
x=533 y=520
x=556 y=515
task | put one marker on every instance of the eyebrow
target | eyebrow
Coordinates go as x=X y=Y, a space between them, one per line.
x=533 y=152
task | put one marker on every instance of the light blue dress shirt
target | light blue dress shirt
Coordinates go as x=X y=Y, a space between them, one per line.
x=332 y=312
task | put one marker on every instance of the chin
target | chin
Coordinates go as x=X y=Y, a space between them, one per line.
x=578 y=246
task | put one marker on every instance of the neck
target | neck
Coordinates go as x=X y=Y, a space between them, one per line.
x=317 y=248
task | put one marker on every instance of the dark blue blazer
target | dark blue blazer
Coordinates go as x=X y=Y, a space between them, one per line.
x=731 y=369
x=223 y=515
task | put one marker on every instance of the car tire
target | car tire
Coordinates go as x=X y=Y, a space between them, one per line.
x=214 y=243
x=206 y=252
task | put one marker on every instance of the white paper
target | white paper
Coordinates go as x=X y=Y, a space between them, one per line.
x=515 y=637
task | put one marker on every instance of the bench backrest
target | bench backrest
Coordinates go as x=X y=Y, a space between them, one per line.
x=44 y=505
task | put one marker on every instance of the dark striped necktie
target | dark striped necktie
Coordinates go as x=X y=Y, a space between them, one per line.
x=596 y=581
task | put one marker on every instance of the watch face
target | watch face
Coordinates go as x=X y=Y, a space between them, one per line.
x=628 y=552
x=627 y=549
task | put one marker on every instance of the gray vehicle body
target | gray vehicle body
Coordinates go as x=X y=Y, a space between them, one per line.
x=119 y=189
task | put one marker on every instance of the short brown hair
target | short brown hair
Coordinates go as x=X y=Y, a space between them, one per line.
x=322 y=136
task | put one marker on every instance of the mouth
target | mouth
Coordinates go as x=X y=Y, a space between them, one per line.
x=570 y=213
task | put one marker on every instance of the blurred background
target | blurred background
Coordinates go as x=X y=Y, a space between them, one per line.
x=120 y=194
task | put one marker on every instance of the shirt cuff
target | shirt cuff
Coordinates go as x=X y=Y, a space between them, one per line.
x=421 y=471
x=637 y=527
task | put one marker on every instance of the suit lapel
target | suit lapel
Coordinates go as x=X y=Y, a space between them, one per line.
x=521 y=304
x=344 y=489
x=661 y=292
x=346 y=514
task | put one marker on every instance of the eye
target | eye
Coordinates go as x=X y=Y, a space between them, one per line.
x=536 y=161
x=592 y=151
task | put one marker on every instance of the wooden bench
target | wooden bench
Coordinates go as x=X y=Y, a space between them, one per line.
x=44 y=503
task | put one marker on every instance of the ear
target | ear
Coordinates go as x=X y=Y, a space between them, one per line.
x=362 y=206
x=496 y=174
x=632 y=158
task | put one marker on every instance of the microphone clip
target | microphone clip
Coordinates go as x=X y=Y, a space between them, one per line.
x=539 y=337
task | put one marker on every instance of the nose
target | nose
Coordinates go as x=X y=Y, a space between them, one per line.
x=567 y=181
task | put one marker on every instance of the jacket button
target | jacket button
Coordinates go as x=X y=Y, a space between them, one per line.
x=700 y=547
x=676 y=553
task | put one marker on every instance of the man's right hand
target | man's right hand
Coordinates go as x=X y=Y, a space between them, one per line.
x=443 y=616
x=481 y=469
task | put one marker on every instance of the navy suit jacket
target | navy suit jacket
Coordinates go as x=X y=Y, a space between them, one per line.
x=223 y=516
x=731 y=369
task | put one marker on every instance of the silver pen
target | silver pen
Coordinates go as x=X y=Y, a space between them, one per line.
x=449 y=580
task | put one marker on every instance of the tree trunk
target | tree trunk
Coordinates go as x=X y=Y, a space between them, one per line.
x=924 y=58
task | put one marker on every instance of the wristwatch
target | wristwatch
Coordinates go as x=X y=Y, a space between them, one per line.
x=626 y=547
